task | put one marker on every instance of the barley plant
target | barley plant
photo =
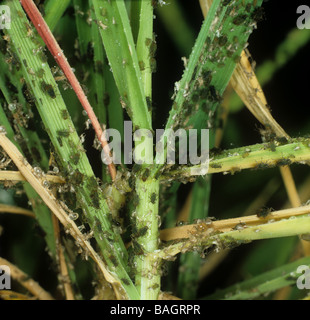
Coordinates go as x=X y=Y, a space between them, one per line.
x=77 y=224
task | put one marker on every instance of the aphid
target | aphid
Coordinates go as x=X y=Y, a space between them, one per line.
x=14 y=60
x=65 y=114
x=195 y=97
x=157 y=175
x=222 y=40
x=281 y=140
x=215 y=165
x=137 y=248
x=29 y=30
x=248 y=7
x=25 y=63
x=148 y=41
x=153 y=65
x=264 y=212
x=153 y=48
x=40 y=73
x=47 y=88
x=90 y=51
x=239 y=19
x=214 y=94
x=60 y=141
x=63 y=133
x=229 y=53
x=136 y=167
x=246 y=154
x=207 y=77
x=267 y=134
x=136 y=200
x=262 y=166
x=75 y=158
x=113 y=260
x=258 y=14
x=154 y=286
x=116 y=223
x=149 y=103
x=142 y=231
x=153 y=197
x=145 y=174
x=142 y=65
x=95 y=200
x=215 y=151
x=283 y=162
x=126 y=282
x=272 y=146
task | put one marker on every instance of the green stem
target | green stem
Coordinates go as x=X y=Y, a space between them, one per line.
x=54 y=9
x=259 y=156
x=147 y=275
x=293 y=226
x=265 y=283
x=145 y=241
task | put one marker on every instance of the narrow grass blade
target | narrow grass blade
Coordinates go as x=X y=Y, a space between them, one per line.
x=54 y=10
x=71 y=153
x=180 y=31
x=115 y=31
x=42 y=213
x=258 y=156
x=53 y=46
x=264 y=283
x=209 y=68
x=146 y=46
x=190 y=262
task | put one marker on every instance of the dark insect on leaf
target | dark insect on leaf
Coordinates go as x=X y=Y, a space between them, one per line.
x=264 y=212
x=48 y=89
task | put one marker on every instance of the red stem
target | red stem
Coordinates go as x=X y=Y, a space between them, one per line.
x=52 y=45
